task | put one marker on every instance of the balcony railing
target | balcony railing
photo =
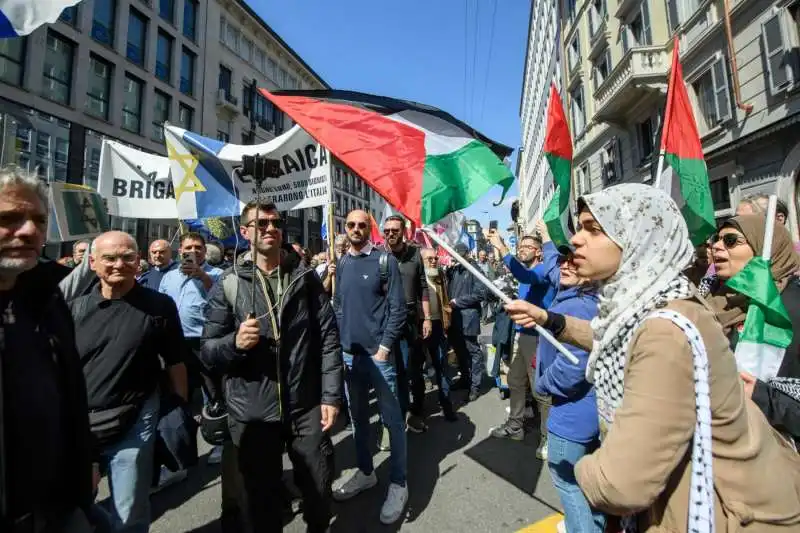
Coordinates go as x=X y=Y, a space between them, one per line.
x=640 y=67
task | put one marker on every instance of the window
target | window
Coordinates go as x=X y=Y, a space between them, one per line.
x=43 y=146
x=272 y=69
x=780 y=54
x=597 y=15
x=264 y=113
x=637 y=31
x=646 y=137
x=99 y=87
x=132 y=104
x=103 y=21
x=247 y=49
x=189 y=19
x=611 y=161
x=283 y=79
x=61 y=155
x=602 y=68
x=187 y=72
x=185 y=116
x=292 y=82
x=338 y=177
x=578 y=110
x=163 y=57
x=278 y=121
x=260 y=60
x=712 y=96
x=721 y=194
x=226 y=81
x=160 y=114
x=166 y=9
x=12 y=59
x=93 y=170
x=338 y=203
x=574 y=52
x=346 y=204
x=679 y=11
x=137 y=37
x=583 y=180
x=232 y=38
x=69 y=15
x=58 y=69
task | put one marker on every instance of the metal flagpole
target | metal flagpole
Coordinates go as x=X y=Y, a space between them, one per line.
x=659 y=170
x=497 y=292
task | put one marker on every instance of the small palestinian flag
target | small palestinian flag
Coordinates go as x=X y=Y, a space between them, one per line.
x=682 y=150
x=558 y=151
x=422 y=160
x=767 y=329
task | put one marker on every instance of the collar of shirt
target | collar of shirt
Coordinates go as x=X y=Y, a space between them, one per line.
x=366 y=250
x=167 y=268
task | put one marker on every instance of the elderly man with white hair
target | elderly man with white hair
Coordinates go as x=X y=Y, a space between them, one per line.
x=124 y=331
x=46 y=478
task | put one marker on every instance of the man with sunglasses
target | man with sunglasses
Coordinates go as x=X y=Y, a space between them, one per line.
x=371 y=311
x=415 y=287
x=123 y=332
x=281 y=364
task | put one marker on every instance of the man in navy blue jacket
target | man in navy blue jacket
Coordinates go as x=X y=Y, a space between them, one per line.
x=370 y=308
x=466 y=296
x=538 y=283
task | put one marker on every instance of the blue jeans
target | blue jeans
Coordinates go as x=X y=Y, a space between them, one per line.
x=437 y=347
x=129 y=464
x=562 y=455
x=361 y=372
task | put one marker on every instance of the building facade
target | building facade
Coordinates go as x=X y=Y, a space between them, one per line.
x=542 y=67
x=743 y=91
x=119 y=69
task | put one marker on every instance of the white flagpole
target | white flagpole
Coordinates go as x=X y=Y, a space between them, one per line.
x=772 y=207
x=659 y=170
x=497 y=292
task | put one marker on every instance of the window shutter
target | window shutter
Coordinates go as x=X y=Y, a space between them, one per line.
x=646 y=31
x=673 y=14
x=719 y=75
x=775 y=49
x=623 y=28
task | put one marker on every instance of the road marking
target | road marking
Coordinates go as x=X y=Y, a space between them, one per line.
x=547 y=525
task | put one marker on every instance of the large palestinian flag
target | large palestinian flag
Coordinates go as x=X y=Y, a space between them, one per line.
x=682 y=150
x=558 y=151
x=425 y=162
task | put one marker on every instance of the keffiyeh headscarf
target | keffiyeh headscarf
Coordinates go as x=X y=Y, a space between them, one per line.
x=649 y=229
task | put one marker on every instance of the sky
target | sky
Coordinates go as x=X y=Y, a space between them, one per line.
x=421 y=50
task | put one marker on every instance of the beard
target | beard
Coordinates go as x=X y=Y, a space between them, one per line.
x=16 y=265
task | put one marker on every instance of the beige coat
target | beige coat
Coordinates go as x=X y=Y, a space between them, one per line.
x=644 y=463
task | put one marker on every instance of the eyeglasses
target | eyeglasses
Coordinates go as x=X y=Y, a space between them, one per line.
x=361 y=225
x=127 y=258
x=729 y=240
x=264 y=223
x=390 y=231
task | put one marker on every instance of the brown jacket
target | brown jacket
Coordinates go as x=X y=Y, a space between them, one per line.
x=644 y=463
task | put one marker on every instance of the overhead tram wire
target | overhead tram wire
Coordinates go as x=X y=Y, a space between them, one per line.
x=489 y=59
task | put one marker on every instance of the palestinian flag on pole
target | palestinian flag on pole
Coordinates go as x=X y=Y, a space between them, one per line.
x=425 y=162
x=682 y=150
x=767 y=329
x=558 y=151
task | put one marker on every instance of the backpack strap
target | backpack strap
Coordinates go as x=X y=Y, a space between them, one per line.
x=230 y=287
x=383 y=266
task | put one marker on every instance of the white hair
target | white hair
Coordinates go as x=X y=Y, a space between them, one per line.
x=93 y=249
x=13 y=176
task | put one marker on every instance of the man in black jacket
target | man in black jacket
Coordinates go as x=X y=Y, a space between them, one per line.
x=45 y=445
x=282 y=372
x=466 y=296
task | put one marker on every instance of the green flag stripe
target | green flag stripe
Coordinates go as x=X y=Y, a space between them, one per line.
x=458 y=179
x=698 y=210
x=558 y=208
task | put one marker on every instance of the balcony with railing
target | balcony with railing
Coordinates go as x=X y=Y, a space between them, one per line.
x=640 y=75
x=226 y=100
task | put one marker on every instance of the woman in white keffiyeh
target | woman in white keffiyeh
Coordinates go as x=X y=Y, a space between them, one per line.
x=664 y=376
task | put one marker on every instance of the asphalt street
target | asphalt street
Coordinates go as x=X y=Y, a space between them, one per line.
x=459 y=479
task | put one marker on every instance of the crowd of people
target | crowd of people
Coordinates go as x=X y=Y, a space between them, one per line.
x=104 y=357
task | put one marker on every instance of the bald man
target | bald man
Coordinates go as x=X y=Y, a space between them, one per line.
x=161 y=263
x=121 y=329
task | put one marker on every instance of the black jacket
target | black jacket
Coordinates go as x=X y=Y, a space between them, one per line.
x=53 y=318
x=307 y=362
x=783 y=411
x=467 y=293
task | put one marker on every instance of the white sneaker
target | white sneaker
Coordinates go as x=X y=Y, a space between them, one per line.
x=561 y=527
x=215 y=457
x=358 y=482
x=395 y=504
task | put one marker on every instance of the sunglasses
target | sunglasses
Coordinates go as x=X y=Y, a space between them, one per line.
x=360 y=225
x=729 y=240
x=127 y=258
x=390 y=231
x=264 y=223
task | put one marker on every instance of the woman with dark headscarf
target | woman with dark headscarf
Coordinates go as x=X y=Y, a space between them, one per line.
x=740 y=239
